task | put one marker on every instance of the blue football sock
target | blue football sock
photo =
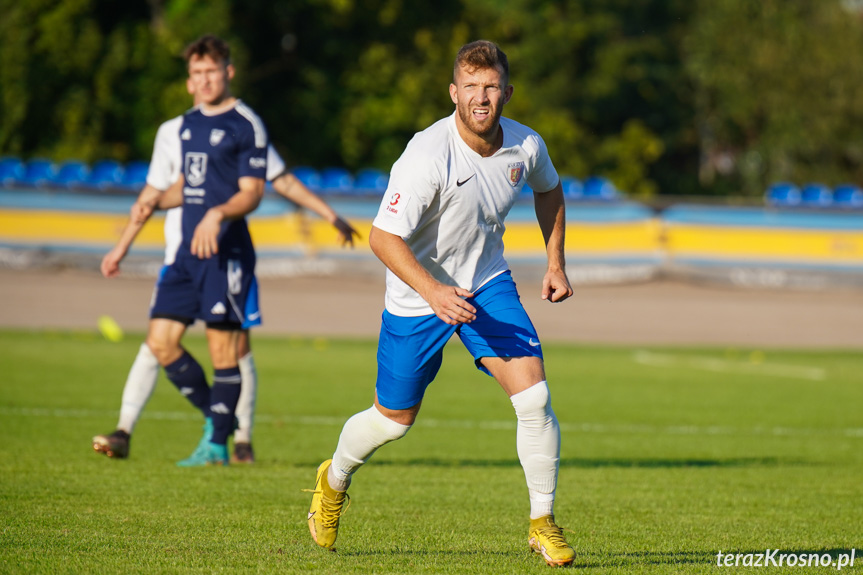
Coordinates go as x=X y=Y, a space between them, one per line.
x=223 y=402
x=188 y=376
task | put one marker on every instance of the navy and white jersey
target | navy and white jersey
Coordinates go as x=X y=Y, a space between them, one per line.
x=165 y=169
x=218 y=150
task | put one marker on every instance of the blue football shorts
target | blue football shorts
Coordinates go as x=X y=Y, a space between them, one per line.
x=410 y=349
x=214 y=290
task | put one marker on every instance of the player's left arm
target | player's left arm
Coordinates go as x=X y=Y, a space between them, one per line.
x=205 y=240
x=551 y=215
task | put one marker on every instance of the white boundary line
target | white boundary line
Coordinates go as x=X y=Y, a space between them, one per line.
x=728 y=366
x=490 y=425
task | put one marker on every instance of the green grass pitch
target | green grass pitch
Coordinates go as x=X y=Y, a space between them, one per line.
x=669 y=456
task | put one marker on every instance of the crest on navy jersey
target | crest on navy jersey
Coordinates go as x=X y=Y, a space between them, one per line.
x=216 y=136
x=516 y=171
x=196 y=168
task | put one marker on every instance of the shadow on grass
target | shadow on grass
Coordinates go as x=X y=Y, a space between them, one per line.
x=588 y=463
x=596 y=559
x=430 y=553
x=637 y=558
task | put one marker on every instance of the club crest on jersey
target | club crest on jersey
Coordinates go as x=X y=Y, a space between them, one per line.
x=516 y=171
x=186 y=135
x=196 y=168
x=216 y=136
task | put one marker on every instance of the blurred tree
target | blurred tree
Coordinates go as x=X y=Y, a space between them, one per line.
x=347 y=82
x=661 y=96
x=341 y=81
x=93 y=78
x=777 y=87
x=598 y=78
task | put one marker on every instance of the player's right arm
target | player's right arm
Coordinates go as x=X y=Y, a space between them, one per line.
x=173 y=196
x=139 y=213
x=205 y=240
x=447 y=302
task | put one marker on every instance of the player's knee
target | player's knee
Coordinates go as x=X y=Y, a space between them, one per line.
x=165 y=350
x=224 y=358
x=533 y=401
x=389 y=427
x=223 y=349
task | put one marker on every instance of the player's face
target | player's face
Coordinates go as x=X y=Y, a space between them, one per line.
x=209 y=79
x=479 y=96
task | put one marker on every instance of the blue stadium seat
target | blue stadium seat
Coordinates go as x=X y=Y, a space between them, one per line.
x=308 y=176
x=816 y=195
x=572 y=188
x=526 y=192
x=370 y=181
x=135 y=175
x=848 y=196
x=782 y=194
x=105 y=174
x=599 y=188
x=37 y=172
x=11 y=170
x=337 y=181
x=71 y=174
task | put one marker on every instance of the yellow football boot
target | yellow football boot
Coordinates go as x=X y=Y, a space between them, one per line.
x=326 y=509
x=547 y=539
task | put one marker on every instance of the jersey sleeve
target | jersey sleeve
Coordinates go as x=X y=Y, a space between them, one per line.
x=543 y=177
x=414 y=182
x=165 y=163
x=275 y=164
x=252 y=153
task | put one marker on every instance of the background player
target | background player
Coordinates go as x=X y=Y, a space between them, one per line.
x=141 y=381
x=224 y=163
x=439 y=231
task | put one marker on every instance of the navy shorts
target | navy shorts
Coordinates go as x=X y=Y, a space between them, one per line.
x=215 y=290
x=410 y=349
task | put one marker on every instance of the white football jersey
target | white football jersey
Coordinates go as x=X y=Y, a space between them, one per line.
x=164 y=170
x=449 y=204
x=165 y=167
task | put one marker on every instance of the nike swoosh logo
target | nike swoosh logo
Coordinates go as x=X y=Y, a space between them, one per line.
x=533 y=343
x=254 y=316
x=460 y=183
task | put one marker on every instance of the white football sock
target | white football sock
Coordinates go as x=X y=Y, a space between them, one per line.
x=246 y=405
x=361 y=436
x=139 y=387
x=538 y=446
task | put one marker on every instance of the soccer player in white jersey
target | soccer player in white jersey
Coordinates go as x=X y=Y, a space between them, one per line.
x=164 y=170
x=439 y=232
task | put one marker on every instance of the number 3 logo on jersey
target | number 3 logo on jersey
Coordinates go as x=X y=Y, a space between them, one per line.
x=196 y=168
x=396 y=205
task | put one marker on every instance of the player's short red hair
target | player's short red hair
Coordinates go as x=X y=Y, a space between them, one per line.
x=479 y=55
